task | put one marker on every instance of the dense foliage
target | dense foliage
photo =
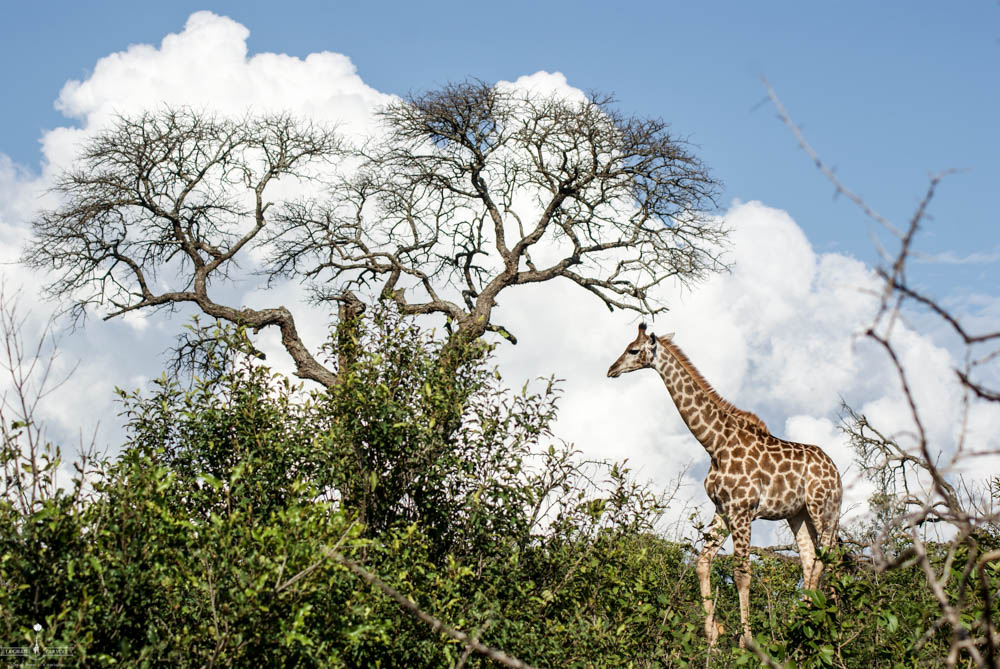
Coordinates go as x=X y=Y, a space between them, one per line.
x=222 y=534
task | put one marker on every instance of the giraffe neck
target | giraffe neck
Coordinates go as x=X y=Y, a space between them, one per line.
x=707 y=415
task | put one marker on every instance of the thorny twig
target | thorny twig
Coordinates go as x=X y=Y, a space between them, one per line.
x=958 y=507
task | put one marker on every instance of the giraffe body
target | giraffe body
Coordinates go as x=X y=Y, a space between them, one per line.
x=753 y=474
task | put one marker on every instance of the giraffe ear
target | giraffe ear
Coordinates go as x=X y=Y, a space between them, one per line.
x=668 y=336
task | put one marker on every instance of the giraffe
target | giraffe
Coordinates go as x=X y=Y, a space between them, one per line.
x=753 y=474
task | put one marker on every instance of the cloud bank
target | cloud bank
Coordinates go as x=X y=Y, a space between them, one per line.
x=779 y=335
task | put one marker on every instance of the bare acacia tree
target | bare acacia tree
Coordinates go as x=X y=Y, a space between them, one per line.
x=159 y=207
x=478 y=188
x=920 y=482
x=468 y=190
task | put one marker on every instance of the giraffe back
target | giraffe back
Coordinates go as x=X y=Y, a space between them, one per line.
x=770 y=477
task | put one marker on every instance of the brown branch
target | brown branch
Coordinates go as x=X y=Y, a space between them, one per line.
x=448 y=186
x=435 y=624
x=883 y=458
x=829 y=173
x=776 y=552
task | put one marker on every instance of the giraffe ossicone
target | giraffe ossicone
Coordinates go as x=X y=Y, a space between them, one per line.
x=753 y=474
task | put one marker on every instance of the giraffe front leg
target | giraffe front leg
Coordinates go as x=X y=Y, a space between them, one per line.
x=716 y=536
x=740 y=527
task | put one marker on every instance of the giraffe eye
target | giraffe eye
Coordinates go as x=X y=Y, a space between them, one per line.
x=633 y=351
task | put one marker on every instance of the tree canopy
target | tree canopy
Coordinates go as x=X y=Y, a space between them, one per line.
x=464 y=192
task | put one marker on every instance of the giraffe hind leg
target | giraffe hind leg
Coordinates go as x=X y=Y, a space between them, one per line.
x=831 y=520
x=824 y=517
x=805 y=537
x=716 y=537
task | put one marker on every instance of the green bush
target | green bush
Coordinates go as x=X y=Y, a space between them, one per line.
x=222 y=535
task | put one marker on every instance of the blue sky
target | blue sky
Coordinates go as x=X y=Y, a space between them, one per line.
x=888 y=93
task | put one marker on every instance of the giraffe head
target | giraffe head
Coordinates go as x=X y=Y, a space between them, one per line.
x=639 y=354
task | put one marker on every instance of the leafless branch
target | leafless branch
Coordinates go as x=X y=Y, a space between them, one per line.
x=916 y=484
x=161 y=205
x=475 y=189
x=405 y=603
